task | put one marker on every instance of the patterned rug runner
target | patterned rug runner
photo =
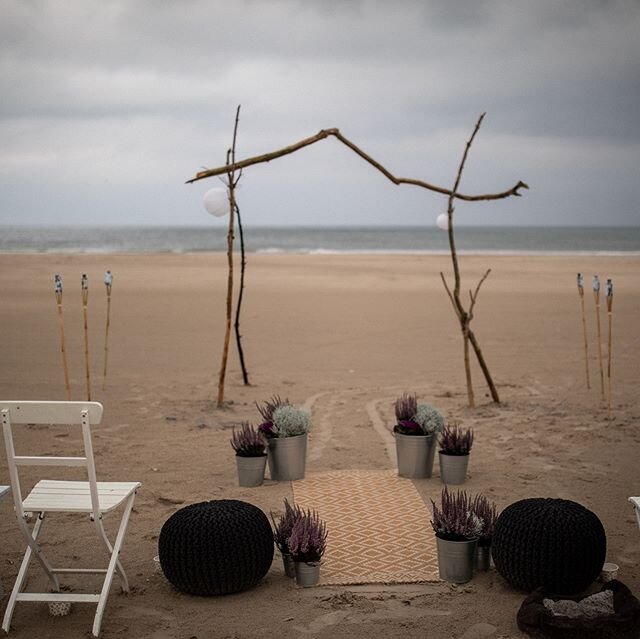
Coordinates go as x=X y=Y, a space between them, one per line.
x=379 y=530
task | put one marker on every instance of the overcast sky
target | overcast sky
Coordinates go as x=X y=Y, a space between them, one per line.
x=108 y=107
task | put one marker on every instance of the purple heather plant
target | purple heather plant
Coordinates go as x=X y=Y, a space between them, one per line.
x=455 y=440
x=455 y=519
x=248 y=442
x=284 y=525
x=406 y=407
x=308 y=540
x=266 y=411
x=487 y=512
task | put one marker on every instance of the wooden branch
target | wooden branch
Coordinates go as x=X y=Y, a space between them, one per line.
x=464 y=316
x=236 y=325
x=485 y=369
x=474 y=295
x=446 y=287
x=454 y=257
x=325 y=133
x=232 y=206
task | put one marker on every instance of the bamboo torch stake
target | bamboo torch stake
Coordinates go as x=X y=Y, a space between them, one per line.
x=596 y=297
x=58 y=291
x=85 y=300
x=108 y=282
x=580 y=280
x=610 y=322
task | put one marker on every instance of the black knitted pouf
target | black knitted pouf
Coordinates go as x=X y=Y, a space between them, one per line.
x=216 y=547
x=553 y=544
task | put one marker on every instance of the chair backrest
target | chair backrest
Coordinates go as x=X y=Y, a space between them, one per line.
x=83 y=414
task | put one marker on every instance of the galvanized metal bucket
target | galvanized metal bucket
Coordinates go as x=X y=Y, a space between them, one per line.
x=251 y=470
x=307 y=574
x=482 y=561
x=287 y=457
x=455 y=559
x=289 y=565
x=453 y=468
x=415 y=454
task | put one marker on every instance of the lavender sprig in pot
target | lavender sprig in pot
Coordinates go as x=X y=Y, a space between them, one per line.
x=415 y=431
x=307 y=545
x=457 y=530
x=286 y=427
x=455 y=446
x=282 y=528
x=251 y=456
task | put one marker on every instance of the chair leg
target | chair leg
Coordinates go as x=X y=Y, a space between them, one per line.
x=119 y=569
x=114 y=563
x=32 y=548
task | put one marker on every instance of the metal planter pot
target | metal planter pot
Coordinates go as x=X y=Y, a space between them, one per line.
x=289 y=565
x=251 y=470
x=453 y=468
x=455 y=559
x=307 y=574
x=482 y=560
x=287 y=457
x=415 y=454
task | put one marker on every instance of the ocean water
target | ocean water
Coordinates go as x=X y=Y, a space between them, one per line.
x=494 y=240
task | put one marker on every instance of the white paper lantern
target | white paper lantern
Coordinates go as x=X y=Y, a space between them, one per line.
x=442 y=221
x=216 y=201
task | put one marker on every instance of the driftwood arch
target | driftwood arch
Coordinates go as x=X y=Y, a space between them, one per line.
x=233 y=170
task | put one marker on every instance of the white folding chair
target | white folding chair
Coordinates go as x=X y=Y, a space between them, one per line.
x=636 y=506
x=3 y=491
x=90 y=497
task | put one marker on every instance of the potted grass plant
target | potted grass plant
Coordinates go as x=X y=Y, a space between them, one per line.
x=307 y=544
x=251 y=456
x=282 y=528
x=286 y=427
x=455 y=446
x=415 y=432
x=457 y=530
x=487 y=513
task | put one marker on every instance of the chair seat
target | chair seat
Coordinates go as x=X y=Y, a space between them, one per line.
x=73 y=496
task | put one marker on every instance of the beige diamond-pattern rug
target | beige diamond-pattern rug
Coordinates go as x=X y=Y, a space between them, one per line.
x=379 y=530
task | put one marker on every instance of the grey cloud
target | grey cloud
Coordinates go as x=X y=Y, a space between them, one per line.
x=107 y=96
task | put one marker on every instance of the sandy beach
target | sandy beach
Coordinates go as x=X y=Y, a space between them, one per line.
x=344 y=335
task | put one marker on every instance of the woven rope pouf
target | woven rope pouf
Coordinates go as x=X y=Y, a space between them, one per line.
x=554 y=544
x=216 y=547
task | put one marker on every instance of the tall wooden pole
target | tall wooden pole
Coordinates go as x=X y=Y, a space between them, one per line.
x=230 y=237
x=85 y=299
x=108 y=282
x=465 y=316
x=58 y=292
x=596 y=297
x=580 y=281
x=610 y=323
x=236 y=324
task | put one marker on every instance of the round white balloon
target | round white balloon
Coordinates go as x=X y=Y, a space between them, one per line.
x=216 y=201
x=442 y=221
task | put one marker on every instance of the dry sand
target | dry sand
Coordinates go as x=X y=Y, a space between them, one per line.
x=346 y=335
